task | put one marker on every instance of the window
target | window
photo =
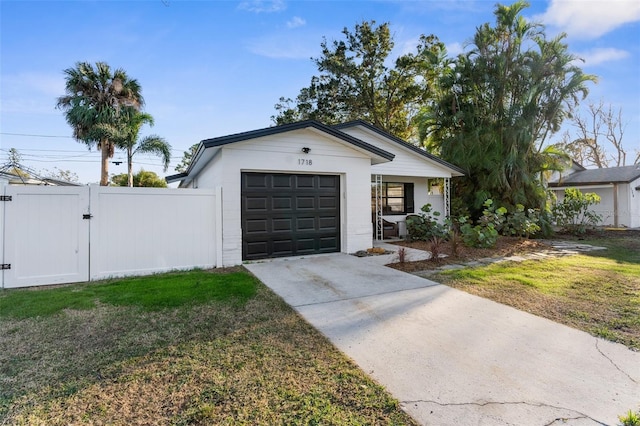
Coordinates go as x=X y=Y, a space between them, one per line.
x=397 y=198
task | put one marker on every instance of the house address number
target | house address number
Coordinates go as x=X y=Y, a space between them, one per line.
x=304 y=162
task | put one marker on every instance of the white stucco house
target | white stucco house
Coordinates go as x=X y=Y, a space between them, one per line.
x=618 y=188
x=306 y=188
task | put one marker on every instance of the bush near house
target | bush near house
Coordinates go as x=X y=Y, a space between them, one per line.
x=573 y=213
x=484 y=233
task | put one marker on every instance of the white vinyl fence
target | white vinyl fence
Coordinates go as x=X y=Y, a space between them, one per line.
x=55 y=235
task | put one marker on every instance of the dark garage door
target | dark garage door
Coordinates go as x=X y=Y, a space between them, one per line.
x=289 y=215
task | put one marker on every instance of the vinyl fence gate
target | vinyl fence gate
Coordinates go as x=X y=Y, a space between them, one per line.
x=55 y=235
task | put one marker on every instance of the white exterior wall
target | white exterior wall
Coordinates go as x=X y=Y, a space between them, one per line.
x=282 y=153
x=405 y=163
x=634 y=204
x=606 y=206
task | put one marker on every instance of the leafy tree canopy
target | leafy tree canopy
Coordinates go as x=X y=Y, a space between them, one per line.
x=94 y=100
x=495 y=106
x=142 y=179
x=357 y=82
x=186 y=158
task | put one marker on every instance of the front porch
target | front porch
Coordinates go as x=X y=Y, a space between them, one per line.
x=393 y=198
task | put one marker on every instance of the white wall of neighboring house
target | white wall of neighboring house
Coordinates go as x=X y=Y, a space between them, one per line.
x=634 y=203
x=281 y=153
x=628 y=202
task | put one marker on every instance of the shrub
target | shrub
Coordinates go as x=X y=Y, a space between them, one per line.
x=485 y=233
x=435 y=247
x=424 y=226
x=573 y=215
x=521 y=223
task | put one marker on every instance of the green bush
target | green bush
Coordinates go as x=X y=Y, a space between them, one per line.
x=485 y=233
x=424 y=226
x=572 y=214
x=521 y=223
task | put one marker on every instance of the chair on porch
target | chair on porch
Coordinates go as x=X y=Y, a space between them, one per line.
x=389 y=229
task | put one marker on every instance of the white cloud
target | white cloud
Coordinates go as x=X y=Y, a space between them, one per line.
x=454 y=49
x=601 y=55
x=590 y=19
x=262 y=6
x=296 y=22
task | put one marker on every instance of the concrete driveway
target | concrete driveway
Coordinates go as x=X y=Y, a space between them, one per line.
x=452 y=358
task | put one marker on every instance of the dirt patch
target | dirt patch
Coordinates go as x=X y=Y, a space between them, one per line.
x=505 y=246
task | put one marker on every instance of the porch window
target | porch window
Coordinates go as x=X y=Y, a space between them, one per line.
x=397 y=198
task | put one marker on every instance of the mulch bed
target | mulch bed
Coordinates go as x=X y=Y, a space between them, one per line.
x=505 y=246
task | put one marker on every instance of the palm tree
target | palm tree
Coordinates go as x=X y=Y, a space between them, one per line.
x=93 y=105
x=127 y=139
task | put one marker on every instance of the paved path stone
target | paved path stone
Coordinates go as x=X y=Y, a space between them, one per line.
x=559 y=249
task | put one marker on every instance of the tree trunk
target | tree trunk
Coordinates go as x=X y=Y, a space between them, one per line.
x=104 y=173
x=130 y=167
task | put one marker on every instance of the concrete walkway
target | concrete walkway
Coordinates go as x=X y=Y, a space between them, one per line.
x=452 y=358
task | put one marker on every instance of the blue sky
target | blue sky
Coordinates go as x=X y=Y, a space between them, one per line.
x=212 y=68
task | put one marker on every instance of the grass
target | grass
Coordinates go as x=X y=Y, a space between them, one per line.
x=598 y=292
x=180 y=348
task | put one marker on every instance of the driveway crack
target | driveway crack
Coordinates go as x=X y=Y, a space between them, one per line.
x=532 y=404
x=614 y=364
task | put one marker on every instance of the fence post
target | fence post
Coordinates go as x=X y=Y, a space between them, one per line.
x=218 y=226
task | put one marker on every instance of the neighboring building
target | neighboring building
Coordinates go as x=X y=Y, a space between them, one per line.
x=618 y=188
x=9 y=178
x=306 y=188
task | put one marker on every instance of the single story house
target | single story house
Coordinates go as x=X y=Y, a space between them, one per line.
x=306 y=188
x=618 y=188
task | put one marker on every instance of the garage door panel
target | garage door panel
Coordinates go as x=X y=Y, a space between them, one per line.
x=256 y=180
x=305 y=182
x=330 y=182
x=257 y=204
x=282 y=225
x=304 y=202
x=257 y=225
x=329 y=243
x=256 y=248
x=328 y=202
x=282 y=181
x=282 y=203
x=288 y=214
x=283 y=247
x=306 y=224
x=328 y=223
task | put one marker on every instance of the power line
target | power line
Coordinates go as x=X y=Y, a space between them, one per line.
x=35 y=136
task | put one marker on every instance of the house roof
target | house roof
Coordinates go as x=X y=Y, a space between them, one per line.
x=625 y=174
x=199 y=156
x=400 y=142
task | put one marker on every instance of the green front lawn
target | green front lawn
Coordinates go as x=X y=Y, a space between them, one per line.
x=598 y=292
x=196 y=347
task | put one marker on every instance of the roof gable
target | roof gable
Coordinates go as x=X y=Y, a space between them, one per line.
x=421 y=153
x=200 y=158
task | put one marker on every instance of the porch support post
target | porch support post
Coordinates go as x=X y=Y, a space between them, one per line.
x=447 y=197
x=378 y=227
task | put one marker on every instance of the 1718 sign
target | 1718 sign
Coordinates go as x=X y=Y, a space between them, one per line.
x=304 y=162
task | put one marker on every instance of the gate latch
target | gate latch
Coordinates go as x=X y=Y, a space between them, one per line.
x=87 y=216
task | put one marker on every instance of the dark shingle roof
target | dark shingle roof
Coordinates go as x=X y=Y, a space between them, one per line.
x=624 y=174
